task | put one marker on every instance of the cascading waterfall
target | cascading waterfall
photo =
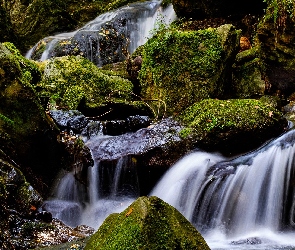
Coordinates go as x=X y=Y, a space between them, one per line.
x=235 y=203
x=109 y=189
x=107 y=38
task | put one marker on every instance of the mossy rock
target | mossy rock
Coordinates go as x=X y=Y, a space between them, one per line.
x=26 y=132
x=182 y=67
x=148 y=223
x=248 y=75
x=231 y=126
x=69 y=79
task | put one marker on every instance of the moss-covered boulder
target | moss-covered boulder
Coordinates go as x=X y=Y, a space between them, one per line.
x=199 y=9
x=183 y=67
x=231 y=126
x=74 y=82
x=69 y=79
x=148 y=223
x=249 y=78
x=277 y=40
x=27 y=134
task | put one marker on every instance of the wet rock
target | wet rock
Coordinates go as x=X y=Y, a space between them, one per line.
x=249 y=241
x=44 y=216
x=69 y=212
x=138 y=143
x=93 y=128
x=148 y=222
x=106 y=39
x=131 y=124
x=72 y=120
x=151 y=151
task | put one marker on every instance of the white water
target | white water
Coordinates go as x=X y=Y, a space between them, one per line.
x=70 y=205
x=241 y=199
x=143 y=19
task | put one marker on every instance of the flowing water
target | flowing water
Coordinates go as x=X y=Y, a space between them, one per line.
x=244 y=203
x=104 y=39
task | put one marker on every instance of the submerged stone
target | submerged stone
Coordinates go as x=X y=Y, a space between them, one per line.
x=148 y=223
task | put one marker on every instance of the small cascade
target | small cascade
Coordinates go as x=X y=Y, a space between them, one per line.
x=111 y=186
x=239 y=201
x=117 y=175
x=107 y=38
x=93 y=177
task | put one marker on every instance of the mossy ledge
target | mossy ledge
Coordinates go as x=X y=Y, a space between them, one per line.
x=231 y=126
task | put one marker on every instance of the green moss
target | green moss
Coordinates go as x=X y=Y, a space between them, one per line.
x=148 y=223
x=279 y=11
x=69 y=79
x=182 y=67
x=30 y=71
x=221 y=115
x=248 y=77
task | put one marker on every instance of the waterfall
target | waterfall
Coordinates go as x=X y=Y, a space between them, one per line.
x=93 y=177
x=110 y=187
x=246 y=200
x=106 y=38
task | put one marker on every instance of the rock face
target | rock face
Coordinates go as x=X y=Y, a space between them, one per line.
x=199 y=9
x=18 y=202
x=277 y=38
x=232 y=126
x=249 y=76
x=148 y=223
x=183 y=67
x=27 y=134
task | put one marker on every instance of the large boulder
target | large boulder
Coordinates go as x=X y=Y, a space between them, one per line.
x=231 y=126
x=199 y=9
x=73 y=82
x=180 y=68
x=148 y=223
x=27 y=134
x=69 y=80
